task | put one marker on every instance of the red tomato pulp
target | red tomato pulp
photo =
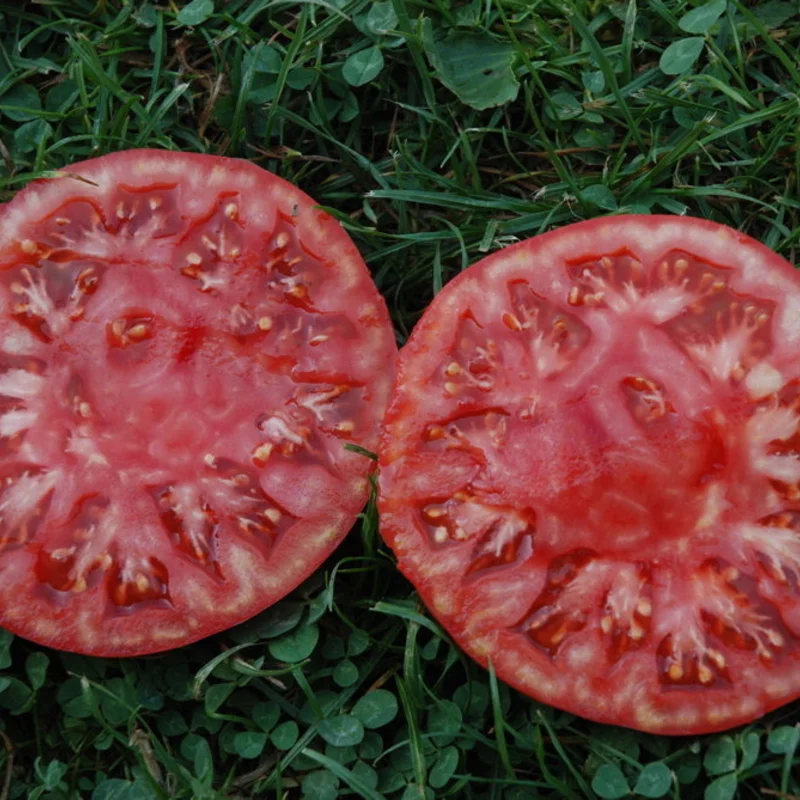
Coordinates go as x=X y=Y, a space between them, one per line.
x=590 y=469
x=187 y=345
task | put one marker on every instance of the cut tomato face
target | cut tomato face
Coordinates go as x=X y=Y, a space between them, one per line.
x=187 y=347
x=590 y=469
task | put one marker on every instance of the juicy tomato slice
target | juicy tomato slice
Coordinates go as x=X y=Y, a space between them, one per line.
x=590 y=469
x=187 y=346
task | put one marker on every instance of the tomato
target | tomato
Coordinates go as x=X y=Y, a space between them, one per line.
x=187 y=346
x=590 y=469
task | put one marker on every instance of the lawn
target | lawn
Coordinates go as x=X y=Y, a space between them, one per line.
x=437 y=132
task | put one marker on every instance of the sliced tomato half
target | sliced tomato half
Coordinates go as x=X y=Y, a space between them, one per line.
x=187 y=345
x=590 y=469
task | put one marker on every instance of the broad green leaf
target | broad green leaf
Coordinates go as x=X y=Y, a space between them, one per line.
x=593 y=136
x=654 y=780
x=28 y=136
x=216 y=695
x=609 y=783
x=357 y=643
x=444 y=723
x=700 y=19
x=350 y=108
x=178 y=682
x=472 y=698
x=295 y=646
x=443 y=769
x=118 y=789
x=266 y=715
x=6 y=637
x=347 y=776
x=300 y=78
x=366 y=774
x=272 y=623
x=249 y=744
x=775 y=13
x=783 y=739
x=320 y=785
x=21 y=103
x=171 y=723
x=145 y=16
x=196 y=749
x=750 y=746
x=371 y=746
x=116 y=701
x=563 y=106
x=113 y=789
x=341 y=755
x=285 y=735
x=687 y=117
x=345 y=673
x=196 y=12
x=342 y=731
x=687 y=768
x=201 y=721
x=390 y=780
x=51 y=775
x=600 y=196
x=593 y=82
x=723 y=788
x=415 y=792
x=227 y=737
x=363 y=66
x=381 y=18
x=468 y=14
x=376 y=708
x=319 y=605
x=326 y=701
x=720 y=756
x=325 y=111
x=474 y=66
x=262 y=59
x=148 y=695
x=36 y=668
x=104 y=741
x=622 y=740
x=16 y=697
x=680 y=55
x=431 y=649
x=402 y=758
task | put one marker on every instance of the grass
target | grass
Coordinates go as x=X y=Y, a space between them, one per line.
x=387 y=113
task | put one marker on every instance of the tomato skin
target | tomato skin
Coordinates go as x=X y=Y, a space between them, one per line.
x=190 y=340
x=595 y=624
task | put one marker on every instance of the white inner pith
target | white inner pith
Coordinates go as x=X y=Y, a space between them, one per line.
x=712 y=423
x=111 y=417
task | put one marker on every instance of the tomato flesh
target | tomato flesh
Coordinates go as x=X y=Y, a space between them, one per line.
x=590 y=468
x=187 y=345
